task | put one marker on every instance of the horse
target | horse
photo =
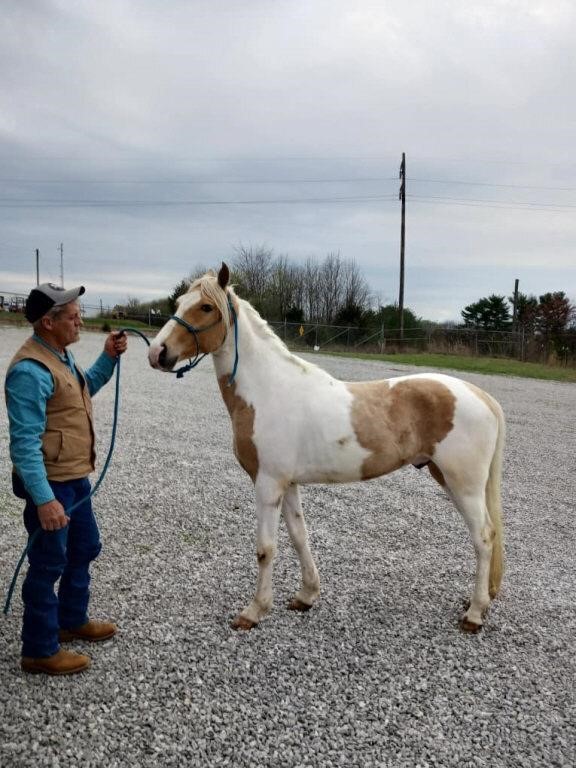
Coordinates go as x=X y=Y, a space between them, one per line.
x=293 y=424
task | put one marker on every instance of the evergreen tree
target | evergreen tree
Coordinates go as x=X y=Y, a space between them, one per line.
x=490 y=313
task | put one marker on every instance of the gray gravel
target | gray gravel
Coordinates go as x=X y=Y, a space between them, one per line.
x=377 y=674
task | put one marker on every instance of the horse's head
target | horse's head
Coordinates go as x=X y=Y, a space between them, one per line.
x=199 y=325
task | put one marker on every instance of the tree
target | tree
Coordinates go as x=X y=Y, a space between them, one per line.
x=331 y=286
x=526 y=311
x=252 y=268
x=312 y=291
x=178 y=290
x=294 y=315
x=554 y=313
x=387 y=316
x=350 y=314
x=356 y=290
x=490 y=313
x=284 y=287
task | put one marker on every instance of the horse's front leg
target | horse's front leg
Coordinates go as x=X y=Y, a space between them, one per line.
x=269 y=495
x=292 y=513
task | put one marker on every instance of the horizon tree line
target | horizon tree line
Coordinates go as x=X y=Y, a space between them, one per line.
x=335 y=292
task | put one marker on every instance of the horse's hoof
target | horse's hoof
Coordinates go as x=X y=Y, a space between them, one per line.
x=298 y=605
x=241 y=622
x=470 y=626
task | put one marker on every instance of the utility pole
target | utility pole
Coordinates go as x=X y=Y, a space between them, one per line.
x=402 y=198
x=515 y=306
x=62 y=264
x=37 y=267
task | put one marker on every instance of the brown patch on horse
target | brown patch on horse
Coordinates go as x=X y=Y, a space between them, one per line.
x=209 y=340
x=242 y=417
x=397 y=423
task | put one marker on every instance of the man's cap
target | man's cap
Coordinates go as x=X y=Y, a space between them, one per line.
x=42 y=298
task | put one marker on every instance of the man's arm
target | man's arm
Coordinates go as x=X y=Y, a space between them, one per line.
x=28 y=387
x=101 y=371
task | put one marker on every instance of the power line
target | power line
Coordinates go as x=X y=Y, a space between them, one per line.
x=174 y=203
x=485 y=203
x=344 y=180
x=489 y=184
x=199 y=181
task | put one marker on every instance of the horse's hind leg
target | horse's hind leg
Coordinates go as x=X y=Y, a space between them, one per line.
x=292 y=512
x=472 y=506
x=268 y=502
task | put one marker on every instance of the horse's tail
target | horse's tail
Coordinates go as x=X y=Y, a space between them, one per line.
x=494 y=503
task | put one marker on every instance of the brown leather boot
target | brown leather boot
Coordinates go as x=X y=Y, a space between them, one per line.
x=60 y=663
x=93 y=630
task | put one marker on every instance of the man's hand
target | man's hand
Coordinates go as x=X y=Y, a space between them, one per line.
x=52 y=516
x=115 y=344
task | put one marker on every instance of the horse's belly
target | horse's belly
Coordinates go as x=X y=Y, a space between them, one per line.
x=337 y=462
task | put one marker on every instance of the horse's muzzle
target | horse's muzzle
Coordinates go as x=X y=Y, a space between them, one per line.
x=158 y=357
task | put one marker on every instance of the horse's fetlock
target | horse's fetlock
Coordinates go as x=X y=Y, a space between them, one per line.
x=264 y=605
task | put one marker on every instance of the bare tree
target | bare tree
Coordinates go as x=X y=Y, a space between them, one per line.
x=331 y=282
x=132 y=304
x=312 y=291
x=284 y=281
x=356 y=291
x=252 y=267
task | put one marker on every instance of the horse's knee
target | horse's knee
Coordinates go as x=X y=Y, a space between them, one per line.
x=265 y=554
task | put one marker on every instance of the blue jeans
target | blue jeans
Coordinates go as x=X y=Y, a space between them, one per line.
x=66 y=555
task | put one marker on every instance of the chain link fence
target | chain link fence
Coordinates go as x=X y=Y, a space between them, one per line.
x=529 y=346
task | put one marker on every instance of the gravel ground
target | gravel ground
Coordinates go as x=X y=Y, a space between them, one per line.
x=377 y=674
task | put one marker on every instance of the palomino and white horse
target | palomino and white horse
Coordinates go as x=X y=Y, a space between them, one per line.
x=293 y=423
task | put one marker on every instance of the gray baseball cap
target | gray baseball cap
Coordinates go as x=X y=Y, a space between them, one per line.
x=42 y=298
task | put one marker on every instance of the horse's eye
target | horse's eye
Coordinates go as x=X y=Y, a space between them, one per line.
x=206 y=308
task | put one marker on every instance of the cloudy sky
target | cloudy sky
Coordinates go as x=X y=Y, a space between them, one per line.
x=152 y=137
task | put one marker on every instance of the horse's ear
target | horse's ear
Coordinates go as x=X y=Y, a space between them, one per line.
x=223 y=276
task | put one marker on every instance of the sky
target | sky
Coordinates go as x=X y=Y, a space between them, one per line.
x=150 y=138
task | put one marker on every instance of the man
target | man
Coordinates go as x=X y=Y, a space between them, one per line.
x=48 y=398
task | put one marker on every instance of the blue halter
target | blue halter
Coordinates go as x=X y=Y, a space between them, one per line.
x=195 y=331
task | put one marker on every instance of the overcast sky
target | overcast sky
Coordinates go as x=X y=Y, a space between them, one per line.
x=152 y=137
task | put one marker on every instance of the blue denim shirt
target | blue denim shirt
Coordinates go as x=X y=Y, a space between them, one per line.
x=29 y=386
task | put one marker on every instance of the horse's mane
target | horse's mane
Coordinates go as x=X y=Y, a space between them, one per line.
x=264 y=331
x=208 y=284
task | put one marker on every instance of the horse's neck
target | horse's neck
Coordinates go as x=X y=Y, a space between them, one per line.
x=257 y=349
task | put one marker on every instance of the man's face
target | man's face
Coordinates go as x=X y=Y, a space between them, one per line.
x=65 y=327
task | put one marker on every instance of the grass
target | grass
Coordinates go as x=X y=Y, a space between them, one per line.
x=488 y=365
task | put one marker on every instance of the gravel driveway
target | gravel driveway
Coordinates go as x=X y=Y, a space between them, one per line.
x=377 y=674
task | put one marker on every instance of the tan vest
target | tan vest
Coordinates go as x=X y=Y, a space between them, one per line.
x=68 y=442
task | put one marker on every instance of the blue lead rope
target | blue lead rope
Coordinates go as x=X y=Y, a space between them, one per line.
x=179 y=374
